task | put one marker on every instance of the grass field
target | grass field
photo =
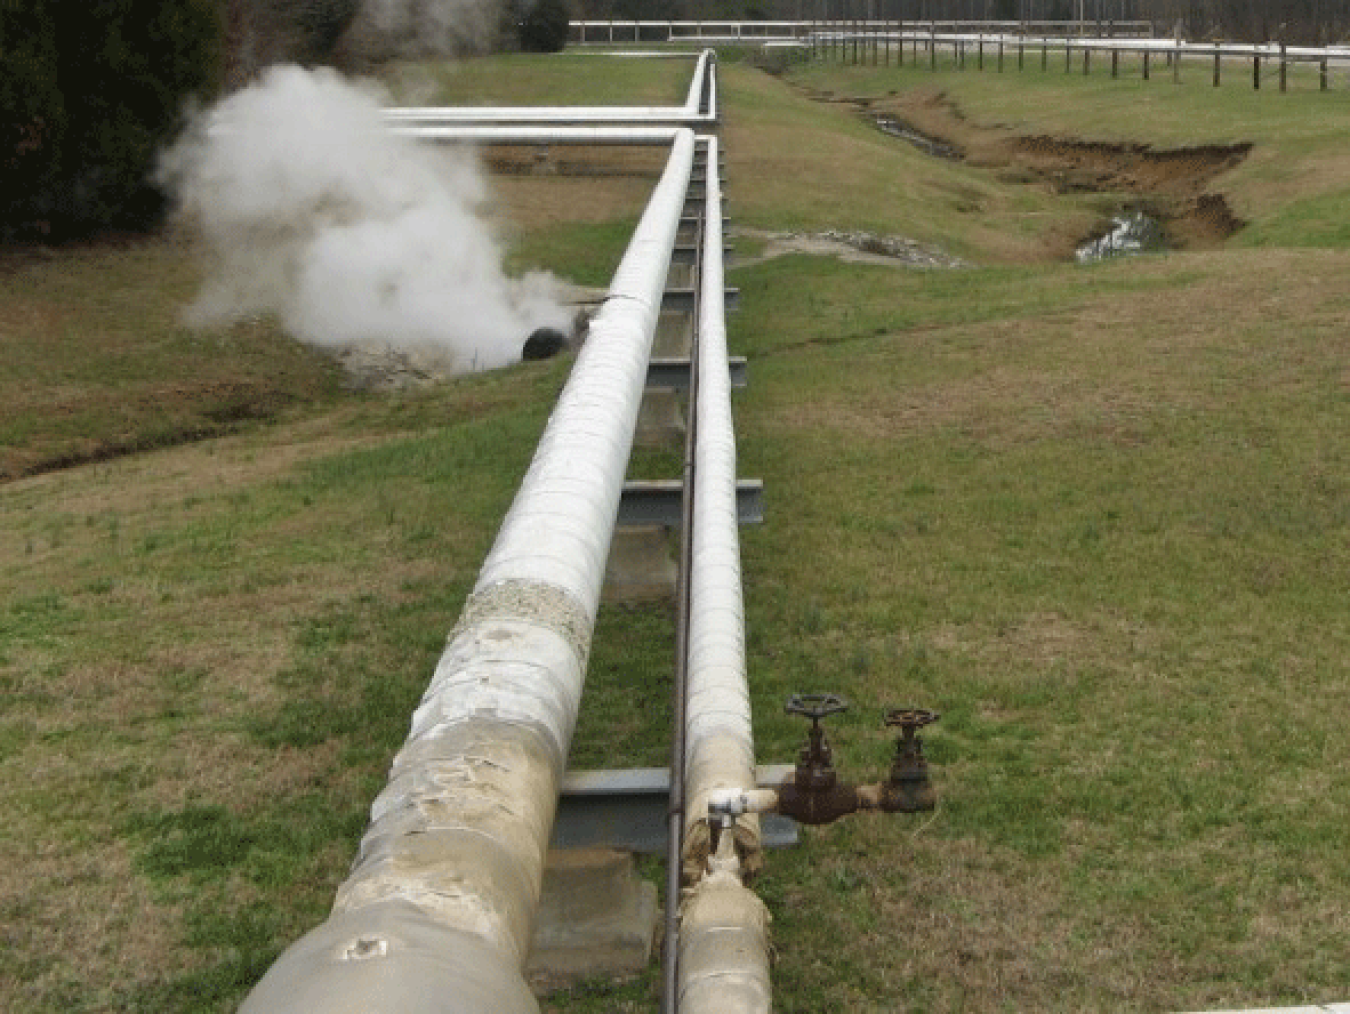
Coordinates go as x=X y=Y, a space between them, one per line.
x=1097 y=516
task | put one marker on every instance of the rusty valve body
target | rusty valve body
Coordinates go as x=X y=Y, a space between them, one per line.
x=909 y=789
x=813 y=793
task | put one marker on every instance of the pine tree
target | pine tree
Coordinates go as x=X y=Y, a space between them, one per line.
x=90 y=90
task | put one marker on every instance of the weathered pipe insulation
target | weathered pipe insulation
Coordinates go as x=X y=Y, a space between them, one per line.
x=723 y=965
x=536 y=134
x=719 y=751
x=437 y=914
x=690 y=114
x=724 y=943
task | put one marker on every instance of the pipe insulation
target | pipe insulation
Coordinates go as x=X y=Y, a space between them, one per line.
x=691 y=114
x=723 y=964
x=724 y=945
x=470 y=133
x=436 y=916
x=719 y=752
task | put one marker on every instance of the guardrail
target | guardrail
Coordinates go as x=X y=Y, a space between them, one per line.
x=614 y=31
x=883 y=45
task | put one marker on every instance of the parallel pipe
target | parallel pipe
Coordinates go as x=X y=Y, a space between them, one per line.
x=437 y=914
x=723 y=963
x=719 y=750
x=694 y=113
x=537 y=134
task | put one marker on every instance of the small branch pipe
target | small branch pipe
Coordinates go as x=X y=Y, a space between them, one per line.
x=437 y=914
x=723 y=963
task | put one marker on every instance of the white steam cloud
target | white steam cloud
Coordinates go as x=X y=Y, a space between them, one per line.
x=419 y=28
x=310 y=208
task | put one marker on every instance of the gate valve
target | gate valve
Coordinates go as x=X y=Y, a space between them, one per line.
x=815 y=761
x=909 y=790
x=813 y=795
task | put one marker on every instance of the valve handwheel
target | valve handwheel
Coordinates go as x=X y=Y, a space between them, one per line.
x=815 y=706
x=911 y=718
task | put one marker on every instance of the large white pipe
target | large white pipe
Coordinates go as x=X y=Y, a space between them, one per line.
x=695 y=112
x=437 y=914
x=723 y=963
x=536 y=134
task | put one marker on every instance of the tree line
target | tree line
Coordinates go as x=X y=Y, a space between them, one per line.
x=92 y=90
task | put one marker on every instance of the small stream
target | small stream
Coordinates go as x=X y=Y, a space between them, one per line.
x=892 y=127
x=1132 y=233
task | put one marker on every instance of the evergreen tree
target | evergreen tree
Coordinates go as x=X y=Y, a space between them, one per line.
x=544 y=27
x=90 y=90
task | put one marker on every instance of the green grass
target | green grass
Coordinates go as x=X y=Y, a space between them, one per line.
x=1097 y=517
x=94 y=361
x=1294 y=189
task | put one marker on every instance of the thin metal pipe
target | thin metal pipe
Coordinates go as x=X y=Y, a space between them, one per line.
x=437 y=914
x=675 y=818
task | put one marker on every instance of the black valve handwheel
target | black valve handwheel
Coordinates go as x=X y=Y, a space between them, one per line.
x=815 y=706
x=911 y=718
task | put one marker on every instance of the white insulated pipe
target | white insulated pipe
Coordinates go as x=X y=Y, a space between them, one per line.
x=723 y=965
x=719 y=743
x=473 y=133
x=691 y=114
x=437 y=914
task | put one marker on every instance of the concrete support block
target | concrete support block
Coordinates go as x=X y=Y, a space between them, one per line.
x=641 y=566
x=597 y=917
x=661 y=421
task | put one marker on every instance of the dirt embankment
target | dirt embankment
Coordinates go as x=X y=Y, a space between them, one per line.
x=1175 y=185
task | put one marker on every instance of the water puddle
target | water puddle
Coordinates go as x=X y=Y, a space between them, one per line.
x=892 y=127
x=1132 y=233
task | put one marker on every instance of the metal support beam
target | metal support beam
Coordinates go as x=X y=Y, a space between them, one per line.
x=686 y=254
x=683 y=300
x=659 y=502
x=626 y=809
x=673 y=374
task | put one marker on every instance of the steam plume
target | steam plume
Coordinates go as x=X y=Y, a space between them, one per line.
x=421 y=28
x=311 y=209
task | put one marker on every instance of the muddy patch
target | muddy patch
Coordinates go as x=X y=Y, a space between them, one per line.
x=1179 y=174
x=847 y=245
